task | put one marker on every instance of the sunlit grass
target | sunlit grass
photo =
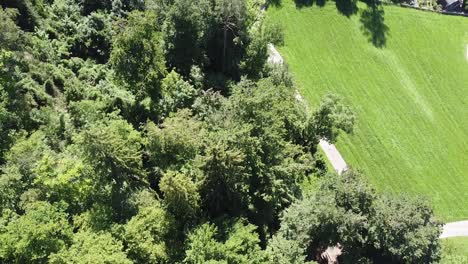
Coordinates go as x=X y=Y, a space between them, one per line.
x=410 y=94
x=455 y=250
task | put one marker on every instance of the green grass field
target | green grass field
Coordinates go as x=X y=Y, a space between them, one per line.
x=455 y=250
x=410 y=93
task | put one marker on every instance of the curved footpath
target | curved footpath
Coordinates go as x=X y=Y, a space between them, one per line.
x=333 y=156
x=454 y=229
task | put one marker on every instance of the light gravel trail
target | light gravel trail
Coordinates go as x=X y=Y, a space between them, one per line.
x=333 y=156
x=274 y=57
x=455 y=229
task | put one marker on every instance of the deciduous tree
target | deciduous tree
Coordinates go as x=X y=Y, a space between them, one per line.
x=90 y=247
x=32 y=237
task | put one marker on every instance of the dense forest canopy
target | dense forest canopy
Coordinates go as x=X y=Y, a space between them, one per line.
x=156 y=132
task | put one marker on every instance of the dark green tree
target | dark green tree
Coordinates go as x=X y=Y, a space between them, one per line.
x=171 y=145
x=181 y=196
x=345 y=210
x=252 y=167
x=225 y=50
x=137 y=56
x=115 y=152
x=186 y=32
x=30 y=12
x=331 y=117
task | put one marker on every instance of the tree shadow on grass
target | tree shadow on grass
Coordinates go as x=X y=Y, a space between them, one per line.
x=373 y=25
x=274 y=3
x=306 y=3
x=346 y=7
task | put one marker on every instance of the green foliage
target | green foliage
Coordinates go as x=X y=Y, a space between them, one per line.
x=180 y=195
x=279 y=74
x=115 y=152
x=64 y=30
x=240 y=244
x=405 y=230
x=13 y=108
x=11 y=188
x=345 y=210
x=331 y=117
x=106 y=157
x=284 y=251
x=116 y=7
x=137 y=55
x=30 y=238
x=11 y=37
x=256 y=53
x=64 y=177
x=91 y=248
x=18 y=173
x=175 y=143
x=274 y=32
x=224 y=186
x=114 y=148
x=95 y=37
x=230 y=32
x=29 y=12
x=252 y=167
x=176 y=93
x=186 y=33
x=147 y=234
x=261 y=33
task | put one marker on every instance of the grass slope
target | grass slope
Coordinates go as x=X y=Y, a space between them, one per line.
x=411 y=94
x=455 y=250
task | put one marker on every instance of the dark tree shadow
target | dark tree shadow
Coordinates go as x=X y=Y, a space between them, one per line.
x=274 y=3
x=373 y=25
x=371 y=2
x=303 y=3
x=321 y=3
x=346 y=7
x=306 y=3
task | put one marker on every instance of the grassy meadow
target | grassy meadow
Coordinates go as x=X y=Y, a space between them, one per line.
x=405 y=73
x=455 y=250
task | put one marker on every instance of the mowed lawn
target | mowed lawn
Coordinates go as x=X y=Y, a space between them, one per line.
x=455 y=250
x=410 y=94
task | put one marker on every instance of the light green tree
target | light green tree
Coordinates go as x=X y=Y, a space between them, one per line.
x=175 y=94
x=148 y=233
x=91 y=248
x=239 y=245
x=32 y=237
x=181 y=195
